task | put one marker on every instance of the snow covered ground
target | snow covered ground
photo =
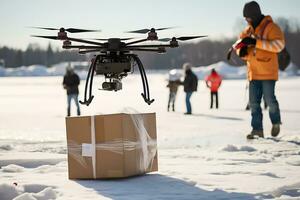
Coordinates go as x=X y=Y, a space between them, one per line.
x=202 y=156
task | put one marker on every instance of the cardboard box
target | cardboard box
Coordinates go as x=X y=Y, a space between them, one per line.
x=111 y=146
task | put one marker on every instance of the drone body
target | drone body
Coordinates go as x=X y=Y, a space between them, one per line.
x=114 y=58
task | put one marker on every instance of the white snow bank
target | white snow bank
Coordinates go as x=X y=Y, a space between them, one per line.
x=27 y=192
x=293 y=160
x=30 y=159
x=12 y=168
x=226 y=70
x=41 y=70
x=287 y=191
x=8 y=192
x=232 y=148
x=46 y=194
x=6 y=147
x=2 y=71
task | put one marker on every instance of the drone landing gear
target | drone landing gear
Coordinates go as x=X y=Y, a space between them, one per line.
x=146 y=94
x=89 y=83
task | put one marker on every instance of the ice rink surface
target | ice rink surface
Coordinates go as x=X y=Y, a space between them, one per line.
x=202 y=156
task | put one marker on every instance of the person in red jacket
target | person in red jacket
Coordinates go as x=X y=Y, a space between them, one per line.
x=213 y=81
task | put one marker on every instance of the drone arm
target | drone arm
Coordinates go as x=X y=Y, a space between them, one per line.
x=150 y=46
x=81 y=47
x=84 y=41
x=88 y=51
x=146 y=49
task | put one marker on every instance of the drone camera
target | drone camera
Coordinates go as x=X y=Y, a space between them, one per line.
x=112 y=85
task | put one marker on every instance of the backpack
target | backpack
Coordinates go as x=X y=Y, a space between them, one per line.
x=284 y=57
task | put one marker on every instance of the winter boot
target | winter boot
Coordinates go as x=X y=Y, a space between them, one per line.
x=168 y=108
x=275 y=130
x=173 y=108
x=254 y=134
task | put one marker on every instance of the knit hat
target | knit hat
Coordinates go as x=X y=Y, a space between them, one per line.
x=252 y=10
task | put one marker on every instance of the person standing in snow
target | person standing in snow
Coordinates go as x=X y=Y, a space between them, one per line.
x=70 y=83
x=260 y=42
x=213 y=81
x=190 y=84
x=173 y=84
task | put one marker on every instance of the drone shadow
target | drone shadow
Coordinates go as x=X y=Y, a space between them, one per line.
x=219 y=117
x=155 y=186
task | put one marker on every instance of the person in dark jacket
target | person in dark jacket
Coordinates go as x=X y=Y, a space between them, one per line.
x=70 y=83
x=190 y=84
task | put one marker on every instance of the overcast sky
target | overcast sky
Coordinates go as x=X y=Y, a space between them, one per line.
x=216 y=18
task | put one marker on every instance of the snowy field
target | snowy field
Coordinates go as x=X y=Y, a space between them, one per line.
x=202 y=156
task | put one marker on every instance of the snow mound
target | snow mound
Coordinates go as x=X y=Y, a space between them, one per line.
x=37 y=70
x=247 y=148
x=6 y=147
x=272 y=175
x=42 y=70
x=232 y=148
x=25 y=196
x=288 y=190
x=2 y=71
x=12 y=168
x=293 y=160
x=46 y=194
x=224 y=69
x=27 y=192
x=8 y=192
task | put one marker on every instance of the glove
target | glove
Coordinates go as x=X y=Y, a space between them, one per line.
x=249 y=41
x=243 y=52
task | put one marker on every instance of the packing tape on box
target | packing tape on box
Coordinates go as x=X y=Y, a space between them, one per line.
x=144 y=142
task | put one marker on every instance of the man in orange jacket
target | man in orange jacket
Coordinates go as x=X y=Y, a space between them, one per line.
x=260 y=42
x=213 y=81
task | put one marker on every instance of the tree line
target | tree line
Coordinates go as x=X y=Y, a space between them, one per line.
x=202 y=53
x=34 y=54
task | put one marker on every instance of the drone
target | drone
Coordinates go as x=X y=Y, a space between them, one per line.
x=114 y=58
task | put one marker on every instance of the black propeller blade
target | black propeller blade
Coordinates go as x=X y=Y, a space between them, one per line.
x=183 y=38
x=70 y=30
x=147 y=30
x=47 y=37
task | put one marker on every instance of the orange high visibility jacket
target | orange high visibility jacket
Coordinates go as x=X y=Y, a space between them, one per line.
x=262 y=59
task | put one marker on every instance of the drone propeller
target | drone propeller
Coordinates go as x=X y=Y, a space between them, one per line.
x=183 y=38
x=70 y=30
x=68 y=38
x=148 y=30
